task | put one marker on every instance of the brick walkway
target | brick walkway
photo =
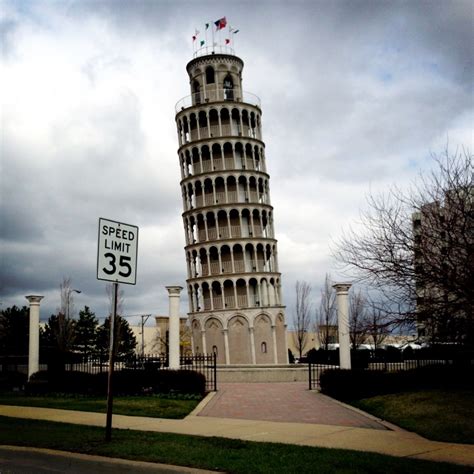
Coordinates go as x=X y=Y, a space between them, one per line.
x=289 y=402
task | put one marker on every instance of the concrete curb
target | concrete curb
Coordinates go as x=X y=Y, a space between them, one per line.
x=201 y=405
x=383 y=422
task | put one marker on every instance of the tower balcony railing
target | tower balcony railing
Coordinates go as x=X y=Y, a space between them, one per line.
x=232 y=197
x=214 y=131
x=235 y=232
x=242 y=301
x=214 y=49
x=217 y=95
x=217 y=164
x=229 y=301
x=219 y=302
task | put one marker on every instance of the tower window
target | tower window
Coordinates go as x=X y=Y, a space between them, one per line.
x=214 y=350
x=210 y=75
x=263 y=347
x=228 y=88
x=197 y=95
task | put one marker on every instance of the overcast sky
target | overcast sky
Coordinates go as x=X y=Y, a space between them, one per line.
x=355 y=96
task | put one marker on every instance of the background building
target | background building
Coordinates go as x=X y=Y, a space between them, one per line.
x=444 y=267
x=234 y=286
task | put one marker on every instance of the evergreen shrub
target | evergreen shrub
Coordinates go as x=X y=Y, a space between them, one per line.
x=354 y=384
x=125 y=382
x=11 y=380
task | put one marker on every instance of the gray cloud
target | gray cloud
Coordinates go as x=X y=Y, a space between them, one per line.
x=354 y=94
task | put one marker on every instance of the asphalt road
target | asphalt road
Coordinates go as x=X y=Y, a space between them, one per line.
x=15 y=460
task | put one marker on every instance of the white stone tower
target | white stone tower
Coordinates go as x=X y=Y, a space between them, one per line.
x=234 y=286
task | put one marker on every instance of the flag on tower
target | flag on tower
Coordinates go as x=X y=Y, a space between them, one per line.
x=220 y=23
x=227 y=41
x=194 y=37
x=202 y=42
x=235 y=32
x=207 y=26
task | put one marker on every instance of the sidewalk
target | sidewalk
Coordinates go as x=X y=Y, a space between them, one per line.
x=396 y=443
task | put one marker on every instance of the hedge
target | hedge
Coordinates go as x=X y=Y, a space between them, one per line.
x=125 y=382
x=12 y=380
x=354 y=384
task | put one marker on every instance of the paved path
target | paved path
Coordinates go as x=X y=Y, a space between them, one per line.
x=286 y=402
x=395 y=443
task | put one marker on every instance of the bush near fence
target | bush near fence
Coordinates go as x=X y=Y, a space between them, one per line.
x=354 y=384
x=457 y=354
x=12 y=380
x=125 y=382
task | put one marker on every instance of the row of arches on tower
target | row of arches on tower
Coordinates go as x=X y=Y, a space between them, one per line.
x=231 y=155
x=225 y=190
x=228 y=224
x=234 y=293
x=241 y=339
x=214 y=122
x=227 y=258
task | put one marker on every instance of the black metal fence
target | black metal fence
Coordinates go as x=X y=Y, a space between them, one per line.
x=315 y=370
x=205 y=364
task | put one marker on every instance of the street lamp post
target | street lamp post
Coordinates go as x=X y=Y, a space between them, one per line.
x=68 y=299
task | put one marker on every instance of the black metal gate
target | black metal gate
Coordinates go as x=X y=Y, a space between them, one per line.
x=206 y=364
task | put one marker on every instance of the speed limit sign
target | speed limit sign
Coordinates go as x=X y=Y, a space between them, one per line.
x=117 y=252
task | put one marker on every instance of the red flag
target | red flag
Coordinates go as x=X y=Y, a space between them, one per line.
x=194 y=38
x=227 y=41
x=220 y=23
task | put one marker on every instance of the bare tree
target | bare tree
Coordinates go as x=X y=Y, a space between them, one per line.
x=378 y=324
x=161 y=340
x=326 y=315
x=60 y=331
x=67 y=298
x=302 y=316
x=417 y=250
x=109 y=289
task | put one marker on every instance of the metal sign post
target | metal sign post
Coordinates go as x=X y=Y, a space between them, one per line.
x=110 y=396
x=116 y=262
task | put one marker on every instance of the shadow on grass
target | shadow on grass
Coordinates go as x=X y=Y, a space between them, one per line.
x=440 y=415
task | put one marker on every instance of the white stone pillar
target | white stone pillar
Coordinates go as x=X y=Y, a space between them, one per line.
x=274 y=340
x=33 y=353
x=252 y=345
x=226 y=346
x=342 y=305
x=204 y=343
x=173 y=349
x=285 y=344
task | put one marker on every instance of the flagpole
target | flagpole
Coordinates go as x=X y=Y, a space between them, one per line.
x=212 y=26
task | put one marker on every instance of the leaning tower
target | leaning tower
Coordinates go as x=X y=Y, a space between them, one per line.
x=234 y=286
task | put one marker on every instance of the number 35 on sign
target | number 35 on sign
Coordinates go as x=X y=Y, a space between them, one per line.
x=117 y=252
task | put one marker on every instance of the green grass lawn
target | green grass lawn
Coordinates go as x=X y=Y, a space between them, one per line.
x=232 y=456
x=152 y=406
x=441 y=415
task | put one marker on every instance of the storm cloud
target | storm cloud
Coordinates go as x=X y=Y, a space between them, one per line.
x=355 y=96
